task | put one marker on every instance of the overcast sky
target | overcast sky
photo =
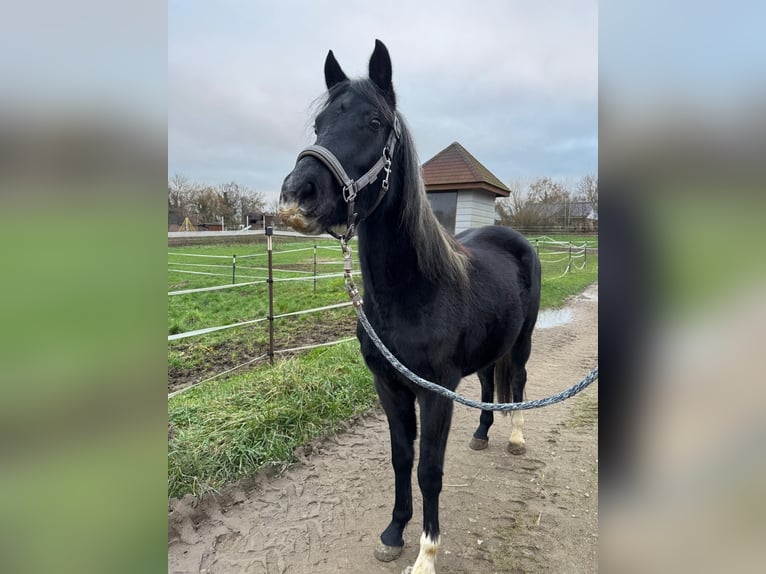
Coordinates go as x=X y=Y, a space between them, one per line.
x=515 y=82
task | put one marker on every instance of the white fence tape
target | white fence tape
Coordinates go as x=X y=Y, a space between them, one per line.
x=325 y=308
x=315 y=346
x=198 y=264
x=183 y=390
x=200 y=255
x=259 y=358
x=216 y=288
x=207 y=330
x=213 y=274
x=276 y=270
x=309 y=278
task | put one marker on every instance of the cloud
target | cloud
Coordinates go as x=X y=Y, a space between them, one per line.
x=512 y=81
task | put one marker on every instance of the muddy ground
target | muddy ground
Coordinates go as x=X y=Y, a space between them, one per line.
x=500 y=513
x=290 y=333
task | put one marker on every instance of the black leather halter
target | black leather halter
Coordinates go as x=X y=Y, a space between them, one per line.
x=352 y=187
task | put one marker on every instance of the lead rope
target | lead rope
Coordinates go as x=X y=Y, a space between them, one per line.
x=357 y=302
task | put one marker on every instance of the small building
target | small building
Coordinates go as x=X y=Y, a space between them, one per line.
x=260 y=220
x=461 y=190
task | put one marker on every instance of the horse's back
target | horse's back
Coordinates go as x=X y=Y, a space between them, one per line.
x=496 y=243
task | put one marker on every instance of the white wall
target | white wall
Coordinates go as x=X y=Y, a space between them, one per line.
x=475 y=208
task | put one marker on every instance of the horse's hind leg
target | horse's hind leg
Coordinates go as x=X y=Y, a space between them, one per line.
x=399 y=404
x=518 y=371
x=480 y=438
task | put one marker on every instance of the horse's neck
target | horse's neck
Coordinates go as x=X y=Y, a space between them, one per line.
x=388 y=257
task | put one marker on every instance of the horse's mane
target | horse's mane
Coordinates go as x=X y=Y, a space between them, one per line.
x=440 y=256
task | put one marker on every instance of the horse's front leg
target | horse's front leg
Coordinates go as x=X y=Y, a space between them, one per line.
x=399 y=405
x=435 y=419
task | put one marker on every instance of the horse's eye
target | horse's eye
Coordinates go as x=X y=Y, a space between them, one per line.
x=375 y=124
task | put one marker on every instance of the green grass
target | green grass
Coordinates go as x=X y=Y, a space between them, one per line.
x=198 y=357
x=557 y=287
x=228 y=430
x=234 y=426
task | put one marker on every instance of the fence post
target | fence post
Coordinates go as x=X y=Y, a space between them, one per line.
x=537 y=247
x=315 y=268
x=233 y=269
x=569 y=264
x=269 y=231
x=585 y=255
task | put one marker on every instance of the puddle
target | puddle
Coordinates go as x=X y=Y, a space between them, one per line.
x=549 y=318
x=588 y=296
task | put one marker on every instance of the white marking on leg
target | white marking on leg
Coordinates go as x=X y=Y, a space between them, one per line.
x=426 y=562
x=517 y=429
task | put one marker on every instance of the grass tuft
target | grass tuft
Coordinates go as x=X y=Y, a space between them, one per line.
x=225 y=431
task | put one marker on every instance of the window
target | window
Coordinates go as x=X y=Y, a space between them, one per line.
x=444 y=206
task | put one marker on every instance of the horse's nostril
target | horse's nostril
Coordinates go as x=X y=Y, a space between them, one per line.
x=305 y=191
x=296 y=189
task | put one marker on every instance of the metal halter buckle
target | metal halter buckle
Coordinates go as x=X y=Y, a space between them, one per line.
x=386 y=167
x=349 y=192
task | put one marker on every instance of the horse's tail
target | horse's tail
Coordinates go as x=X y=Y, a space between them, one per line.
x=531 y=263
x=510 y=369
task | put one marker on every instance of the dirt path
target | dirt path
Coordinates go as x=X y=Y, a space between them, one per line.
x=499 y=513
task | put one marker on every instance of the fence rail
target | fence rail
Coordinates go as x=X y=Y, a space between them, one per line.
x=574 y=254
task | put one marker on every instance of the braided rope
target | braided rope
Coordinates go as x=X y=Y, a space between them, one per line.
x=356 y=301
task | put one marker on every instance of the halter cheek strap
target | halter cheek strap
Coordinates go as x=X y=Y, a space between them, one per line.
x=352 y=187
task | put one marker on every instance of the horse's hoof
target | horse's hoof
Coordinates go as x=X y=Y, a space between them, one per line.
x=516 y=448
x=478 y=443
x=407 y=570
x=386 y=553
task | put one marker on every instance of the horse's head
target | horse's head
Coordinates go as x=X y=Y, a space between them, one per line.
x=356 y=127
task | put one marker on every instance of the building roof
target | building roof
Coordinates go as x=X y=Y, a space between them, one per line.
x=455 y=168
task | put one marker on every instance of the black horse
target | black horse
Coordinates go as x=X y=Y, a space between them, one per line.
x=446 y=307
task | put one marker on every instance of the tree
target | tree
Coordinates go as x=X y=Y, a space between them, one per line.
x=179 y=198
x=206 y=204
x=272 y=207
x=587 y=190
x=517 y=210
x=546 y=191
x=244 y=200
x=552 y=200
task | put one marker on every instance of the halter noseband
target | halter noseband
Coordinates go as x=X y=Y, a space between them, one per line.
x=352 y=187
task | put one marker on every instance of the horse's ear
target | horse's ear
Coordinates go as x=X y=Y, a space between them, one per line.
x=380 y=70
x=332 y=72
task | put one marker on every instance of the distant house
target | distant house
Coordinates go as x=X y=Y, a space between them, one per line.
x=572 y=215
x=216 y=226
x=260 y=220
x=461 y=190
